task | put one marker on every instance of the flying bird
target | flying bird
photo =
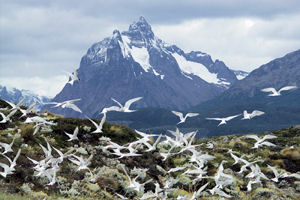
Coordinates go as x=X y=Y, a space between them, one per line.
x=251 y=115
x=261 y=141
x=7 y=118
x=66 y=104
x=224 y=120
x=100 y=126
x=126 y=106
x=182 y=119
x=277 y=93
x=74 y=135
x=7 y=147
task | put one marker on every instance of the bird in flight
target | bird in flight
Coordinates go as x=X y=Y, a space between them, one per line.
x=277 y=93
x=223 y=120
x=100 y=126
x=261 y=141
x=74 y=135
x=122 y=108
x=251 y=115
x=182 y=119
x=67 y=104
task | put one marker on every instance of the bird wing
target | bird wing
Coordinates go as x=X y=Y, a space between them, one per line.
x=11 y=113
x=17 y=156
x=117 y=102
x=130 y=101
x=287 y=88
x=102 y=120
x=179 y=114
x=11 y=104
x=72 y=101
x=269 y=90
x=256 y=113
x=213 y=118
x=75 y=133
x=112 y=108
x=231 y=117
x=53 y=102
x=21 y=102
x=74 y=107
x=268 y=144
x=3 y=116
x=191 y=114
x=33 y=161
x=68 y=134
x=95 y=124
x=269 y=137
x=255 y=137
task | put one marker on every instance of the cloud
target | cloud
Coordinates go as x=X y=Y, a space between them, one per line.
x=40 y=39
x=43 y=86
x=243 y=43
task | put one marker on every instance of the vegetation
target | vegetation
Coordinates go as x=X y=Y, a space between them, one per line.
x=108 y=169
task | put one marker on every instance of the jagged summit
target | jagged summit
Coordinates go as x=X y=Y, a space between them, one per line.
x=137 y=63
x=141 y=28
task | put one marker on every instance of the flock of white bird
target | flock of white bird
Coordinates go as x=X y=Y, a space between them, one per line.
x=177 y=143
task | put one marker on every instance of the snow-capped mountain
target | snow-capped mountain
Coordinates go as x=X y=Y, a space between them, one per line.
x=137 y=63
x=15 y=95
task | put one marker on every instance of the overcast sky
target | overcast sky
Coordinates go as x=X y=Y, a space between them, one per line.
x=41 y=39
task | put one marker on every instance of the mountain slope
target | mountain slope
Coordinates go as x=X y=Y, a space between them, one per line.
x=280 y=112
x=137 y=63
x=15 y=95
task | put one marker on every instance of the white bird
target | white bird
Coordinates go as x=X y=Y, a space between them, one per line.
x=7 y=118
x=277 y=93
x=126 y=106
x=7 y=170
x=16 y=106
x=223 y=120
x=47 y=151
x=74 y=135
x=276 y=174
x=67 y=104
x=261 y=141
x=13 y=162
x=133 y=184
x=256 y=172
x=100 y=126
x=80 y=162
x=180 y=115
x=7 y=147
x=254 y=113
x=37 y=120
x=73 y=76
x=294 y=175
x=176 y=169
x=198 y=192
x=236 y=159
x=249 y=185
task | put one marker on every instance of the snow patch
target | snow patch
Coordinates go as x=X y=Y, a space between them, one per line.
x=240 y=77
x=157 y=74
x=141 y=56
x=197 y=69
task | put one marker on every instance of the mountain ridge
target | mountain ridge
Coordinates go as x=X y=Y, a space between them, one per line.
x=137 y=63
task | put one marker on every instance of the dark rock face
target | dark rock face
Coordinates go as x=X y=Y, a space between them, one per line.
x=136 y=63
x=277 y=73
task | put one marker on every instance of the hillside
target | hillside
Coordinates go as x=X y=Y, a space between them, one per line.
x=105 y=175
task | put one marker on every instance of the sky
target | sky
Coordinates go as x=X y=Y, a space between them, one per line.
x=39 y=40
